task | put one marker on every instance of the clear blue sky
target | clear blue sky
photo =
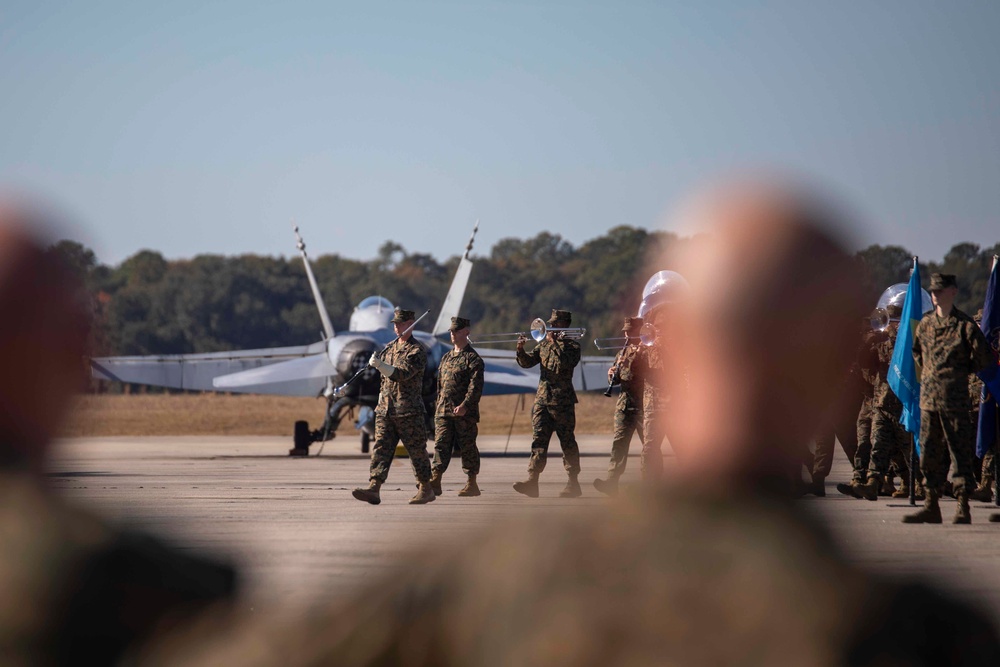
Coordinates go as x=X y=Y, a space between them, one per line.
x=207 y=126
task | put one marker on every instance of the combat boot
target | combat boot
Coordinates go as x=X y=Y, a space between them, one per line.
x=962 y=514
x=903 y=491
x=572 y=488
x=529 y=487
x=918 y=492
x=887 y=488
x=984 y=492
x=470 y=489
x=869 y=490
x=931 y=513
x=853 y=489
x=817 y=486
x=425 y=494
x=370 y=493
x=436 y=482
x=608 y=487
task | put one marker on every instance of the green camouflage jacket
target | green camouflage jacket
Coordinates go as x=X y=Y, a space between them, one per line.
x=460 y=380
x=657 y=395
x=946 y=350
x=877 y=360
x=400 y=394
x=631 y=376
x=558 y=360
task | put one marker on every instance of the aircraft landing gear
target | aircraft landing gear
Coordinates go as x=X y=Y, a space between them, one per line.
x=301 y=439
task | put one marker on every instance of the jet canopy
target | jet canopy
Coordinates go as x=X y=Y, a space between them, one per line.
x=372 y=314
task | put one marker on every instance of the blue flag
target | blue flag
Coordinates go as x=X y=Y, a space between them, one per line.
x=902 y=374
x=991 y=376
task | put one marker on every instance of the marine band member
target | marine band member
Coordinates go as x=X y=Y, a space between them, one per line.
x=456 y=418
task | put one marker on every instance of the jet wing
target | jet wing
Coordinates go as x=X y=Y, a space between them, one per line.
x=504 y=376
x=197 y=371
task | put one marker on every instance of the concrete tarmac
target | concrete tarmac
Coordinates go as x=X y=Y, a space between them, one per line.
x=298 y=535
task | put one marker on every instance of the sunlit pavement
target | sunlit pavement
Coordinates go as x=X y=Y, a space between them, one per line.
x=297 y=533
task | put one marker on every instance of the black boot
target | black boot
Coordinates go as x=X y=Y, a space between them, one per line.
x=931 y=513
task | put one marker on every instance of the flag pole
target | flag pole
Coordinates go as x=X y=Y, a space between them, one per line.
x=996 y=420
x=914 y=463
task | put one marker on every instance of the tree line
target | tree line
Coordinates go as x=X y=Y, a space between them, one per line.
x=150 y=305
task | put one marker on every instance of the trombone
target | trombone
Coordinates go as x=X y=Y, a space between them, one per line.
x=538 y=332
x=647 y=336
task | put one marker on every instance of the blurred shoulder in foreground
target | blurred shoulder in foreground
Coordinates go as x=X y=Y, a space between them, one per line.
x=76 y=591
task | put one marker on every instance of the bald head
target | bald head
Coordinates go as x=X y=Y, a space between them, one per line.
x=768 y=332
x=42 y=341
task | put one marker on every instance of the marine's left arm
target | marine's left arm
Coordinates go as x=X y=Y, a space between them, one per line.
x=981 y=353
x=568 y=356
x=475 y=390
x=409 y=364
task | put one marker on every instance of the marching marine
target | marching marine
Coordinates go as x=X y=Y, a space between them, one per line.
x=555 y=404
x=889 y=437
x=456 y=418
x=627 y=372
x=947 y=347
x=400 y=412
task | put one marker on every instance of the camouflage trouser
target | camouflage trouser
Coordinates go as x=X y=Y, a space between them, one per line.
x=627 y=422
x=655 y=427
x=544 y=420
x=943 y=434
x=844 y=427
x=388 y=432
x=890 y=446
x=451 y=432
x=862 y=456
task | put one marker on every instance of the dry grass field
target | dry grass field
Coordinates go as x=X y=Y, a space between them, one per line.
x=98 y=415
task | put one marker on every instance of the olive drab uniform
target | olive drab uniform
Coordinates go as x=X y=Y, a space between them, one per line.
x=460 y=382
x=946 y=351
x=400 y=413
x=78 y=591
x=555 y=402
x=628 y=409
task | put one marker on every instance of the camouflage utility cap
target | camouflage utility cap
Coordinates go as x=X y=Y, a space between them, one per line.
x=402 y=315
x=459 y=323
x=943 y=281
x=632 y=324
x=893 y=310
x=560 y=316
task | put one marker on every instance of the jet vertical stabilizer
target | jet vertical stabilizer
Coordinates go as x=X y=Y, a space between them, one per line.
x=323 y=315
x=453 y=302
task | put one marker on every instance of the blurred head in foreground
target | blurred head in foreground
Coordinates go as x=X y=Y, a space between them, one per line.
x=769 y=325
x=42 y=341
x=715 y=568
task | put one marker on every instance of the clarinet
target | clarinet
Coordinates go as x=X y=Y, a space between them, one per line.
x=614 y=372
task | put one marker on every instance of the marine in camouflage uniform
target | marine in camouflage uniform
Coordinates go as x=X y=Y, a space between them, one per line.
x=984 y=491
x=862 y=455
x=627 y=372
x=890 y=441
x=657 y=401
x=456 y=417
x=842 y=425
x=946 y=349
x=400 y=413
x=555 y=405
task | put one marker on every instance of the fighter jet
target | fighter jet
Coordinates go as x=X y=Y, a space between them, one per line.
x=324 y=368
